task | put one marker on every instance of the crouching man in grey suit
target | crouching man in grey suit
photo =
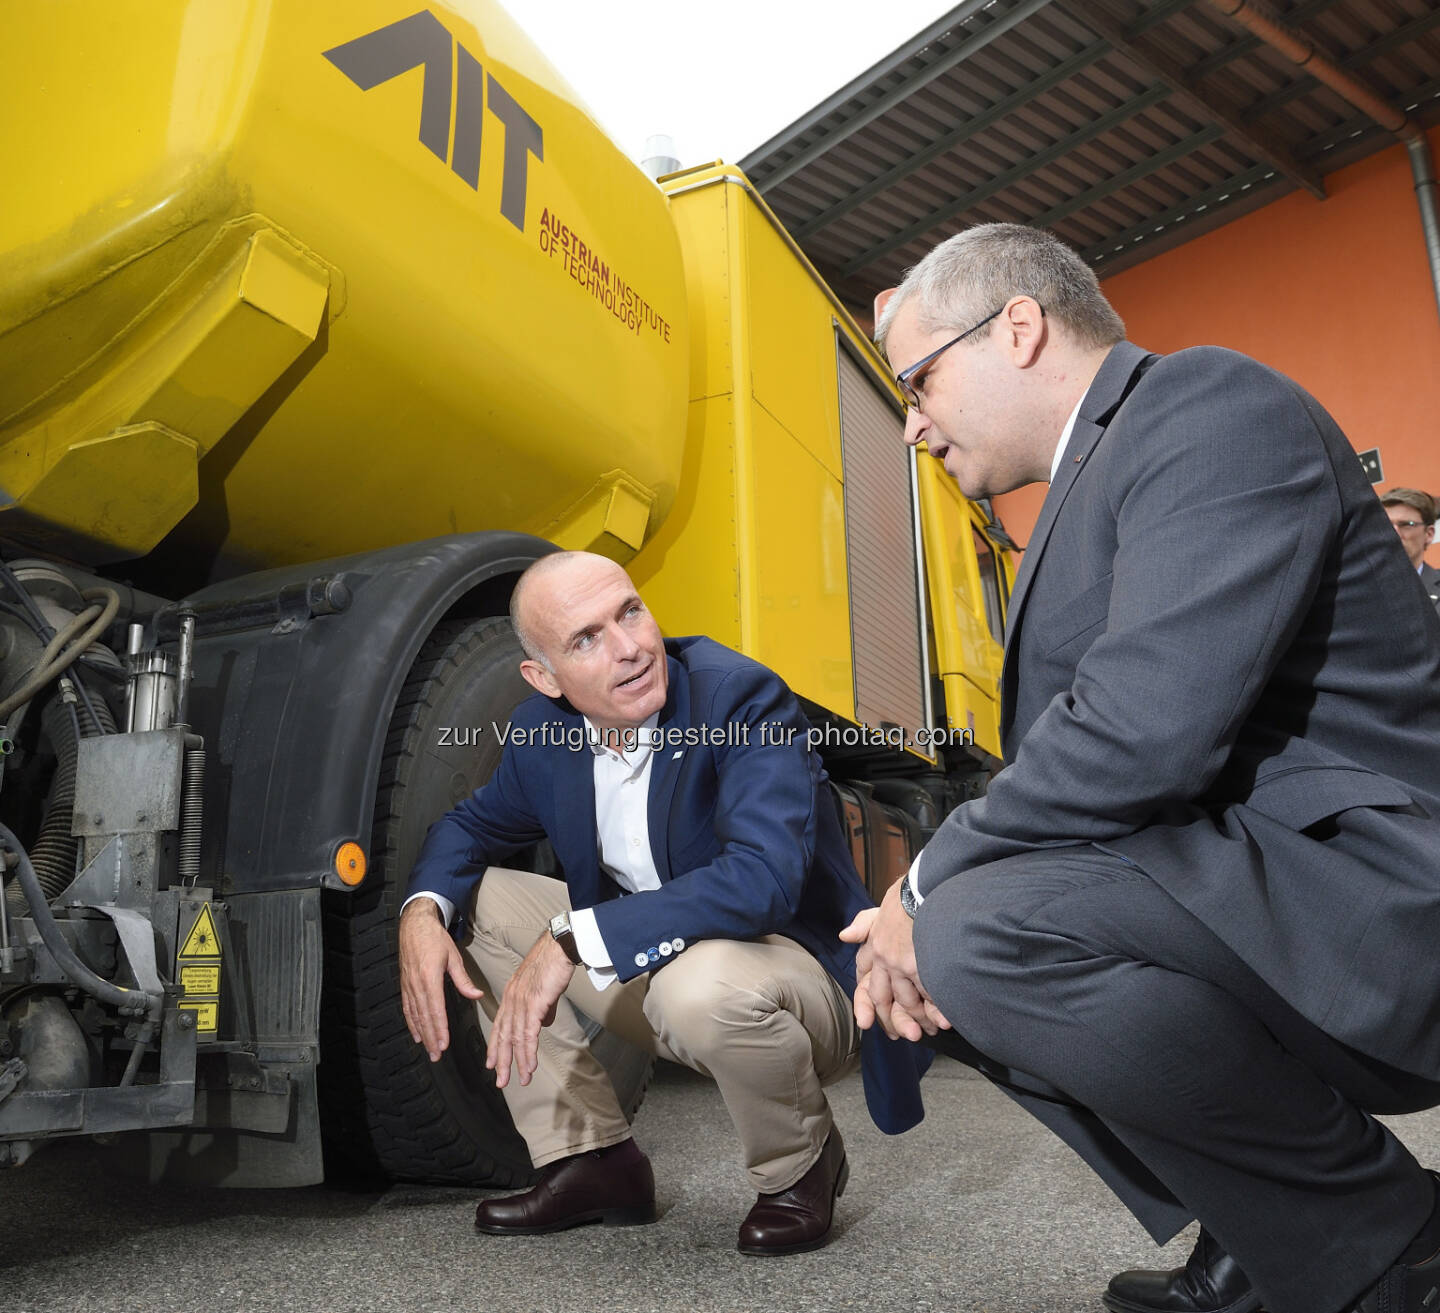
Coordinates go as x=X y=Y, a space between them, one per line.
x=1195 y=924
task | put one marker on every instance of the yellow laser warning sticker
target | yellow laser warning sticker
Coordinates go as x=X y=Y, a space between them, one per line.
x=207 y=1014
x=202 y=941
x=200 y=979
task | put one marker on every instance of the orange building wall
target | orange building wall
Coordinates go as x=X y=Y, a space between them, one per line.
x=1334 y=293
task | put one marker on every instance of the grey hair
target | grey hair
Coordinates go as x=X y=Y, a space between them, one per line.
x=978 y=270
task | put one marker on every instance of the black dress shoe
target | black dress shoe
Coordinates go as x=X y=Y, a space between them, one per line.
x=1414 y=1286
x=799 y=1218
x=1405 y=1288
x=613 y=1185
x=1210 y=1282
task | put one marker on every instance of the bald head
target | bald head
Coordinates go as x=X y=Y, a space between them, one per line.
x=589 y=638
x=523 y=601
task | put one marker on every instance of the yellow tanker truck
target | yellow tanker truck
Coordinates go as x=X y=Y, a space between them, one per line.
x=319 y=323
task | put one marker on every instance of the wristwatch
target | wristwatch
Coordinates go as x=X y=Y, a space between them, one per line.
x=908 y=901
x=563 y=935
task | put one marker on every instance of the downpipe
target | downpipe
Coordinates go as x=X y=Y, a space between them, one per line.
x=1262 y=22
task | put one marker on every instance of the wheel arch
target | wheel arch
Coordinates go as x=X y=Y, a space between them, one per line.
x=298 y=707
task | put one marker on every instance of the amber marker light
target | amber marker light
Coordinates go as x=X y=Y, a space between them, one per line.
x=350 y=863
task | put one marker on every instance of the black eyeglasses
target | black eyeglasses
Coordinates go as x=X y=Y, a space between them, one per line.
x=1410 y=524
x=903 y=380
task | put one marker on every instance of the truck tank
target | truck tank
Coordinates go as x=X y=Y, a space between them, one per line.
x=275 y=303
x=321 y=322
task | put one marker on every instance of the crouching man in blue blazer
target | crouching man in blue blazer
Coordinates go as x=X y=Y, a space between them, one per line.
x=706 y=882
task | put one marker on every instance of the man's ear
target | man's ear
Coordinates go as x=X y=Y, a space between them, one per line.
x=1025 y=329
x=540 y=679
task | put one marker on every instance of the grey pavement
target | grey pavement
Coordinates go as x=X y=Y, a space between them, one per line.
x=978 y=1209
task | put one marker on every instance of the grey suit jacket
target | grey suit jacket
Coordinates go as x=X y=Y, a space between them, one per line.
x=1213 y=652
x=1430 y=578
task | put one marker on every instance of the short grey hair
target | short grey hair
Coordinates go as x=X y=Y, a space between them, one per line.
x=977 y=271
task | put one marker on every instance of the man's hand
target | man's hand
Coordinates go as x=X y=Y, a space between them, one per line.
x=527 y=1004
x=888 y=988
x=427 y=956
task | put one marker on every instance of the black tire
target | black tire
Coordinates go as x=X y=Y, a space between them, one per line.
x=388 y=1112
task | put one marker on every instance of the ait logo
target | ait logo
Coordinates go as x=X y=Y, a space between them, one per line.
x=453 y=78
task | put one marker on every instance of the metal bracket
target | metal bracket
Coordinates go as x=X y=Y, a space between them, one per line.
x=137 y=938
x=11 y=1074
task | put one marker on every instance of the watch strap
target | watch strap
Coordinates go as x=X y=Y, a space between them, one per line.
x=564 y=935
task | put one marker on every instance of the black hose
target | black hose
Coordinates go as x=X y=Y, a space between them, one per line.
x=43 y=628
x=130 y=1002
x=89 y=705
x=142 y=1042
x=99 y=710
x=37 y=617
x=21 y=615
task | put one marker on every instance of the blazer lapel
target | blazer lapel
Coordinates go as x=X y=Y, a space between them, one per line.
x=576 y=841
x=665 y=766
x=1110 y=387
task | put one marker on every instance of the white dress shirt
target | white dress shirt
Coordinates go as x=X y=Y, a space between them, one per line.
x=622 y=825
x=1065 y=436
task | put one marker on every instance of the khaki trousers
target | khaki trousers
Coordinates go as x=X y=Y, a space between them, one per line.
x=762 y=1018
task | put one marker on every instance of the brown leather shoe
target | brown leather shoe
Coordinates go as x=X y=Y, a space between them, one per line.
x=799 y=1218
x=613 y=1185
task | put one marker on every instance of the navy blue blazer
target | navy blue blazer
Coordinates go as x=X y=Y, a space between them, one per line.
x=744 y=835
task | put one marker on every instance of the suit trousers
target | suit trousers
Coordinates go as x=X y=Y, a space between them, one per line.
x=1191 y=1087
x=761 y=1017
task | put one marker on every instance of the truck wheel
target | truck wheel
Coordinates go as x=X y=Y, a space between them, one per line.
x=386 y=1110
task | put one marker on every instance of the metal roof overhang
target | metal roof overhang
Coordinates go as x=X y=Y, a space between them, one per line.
x=1126 y=127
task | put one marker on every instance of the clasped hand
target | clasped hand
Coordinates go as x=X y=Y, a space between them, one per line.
x=888 y=988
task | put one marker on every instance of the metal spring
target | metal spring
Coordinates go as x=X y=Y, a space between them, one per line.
x=192 y=815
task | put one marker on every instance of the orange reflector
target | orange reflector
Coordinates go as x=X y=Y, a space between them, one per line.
x=350 y=863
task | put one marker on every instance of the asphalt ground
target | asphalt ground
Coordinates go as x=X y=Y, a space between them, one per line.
x=977 y=1209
